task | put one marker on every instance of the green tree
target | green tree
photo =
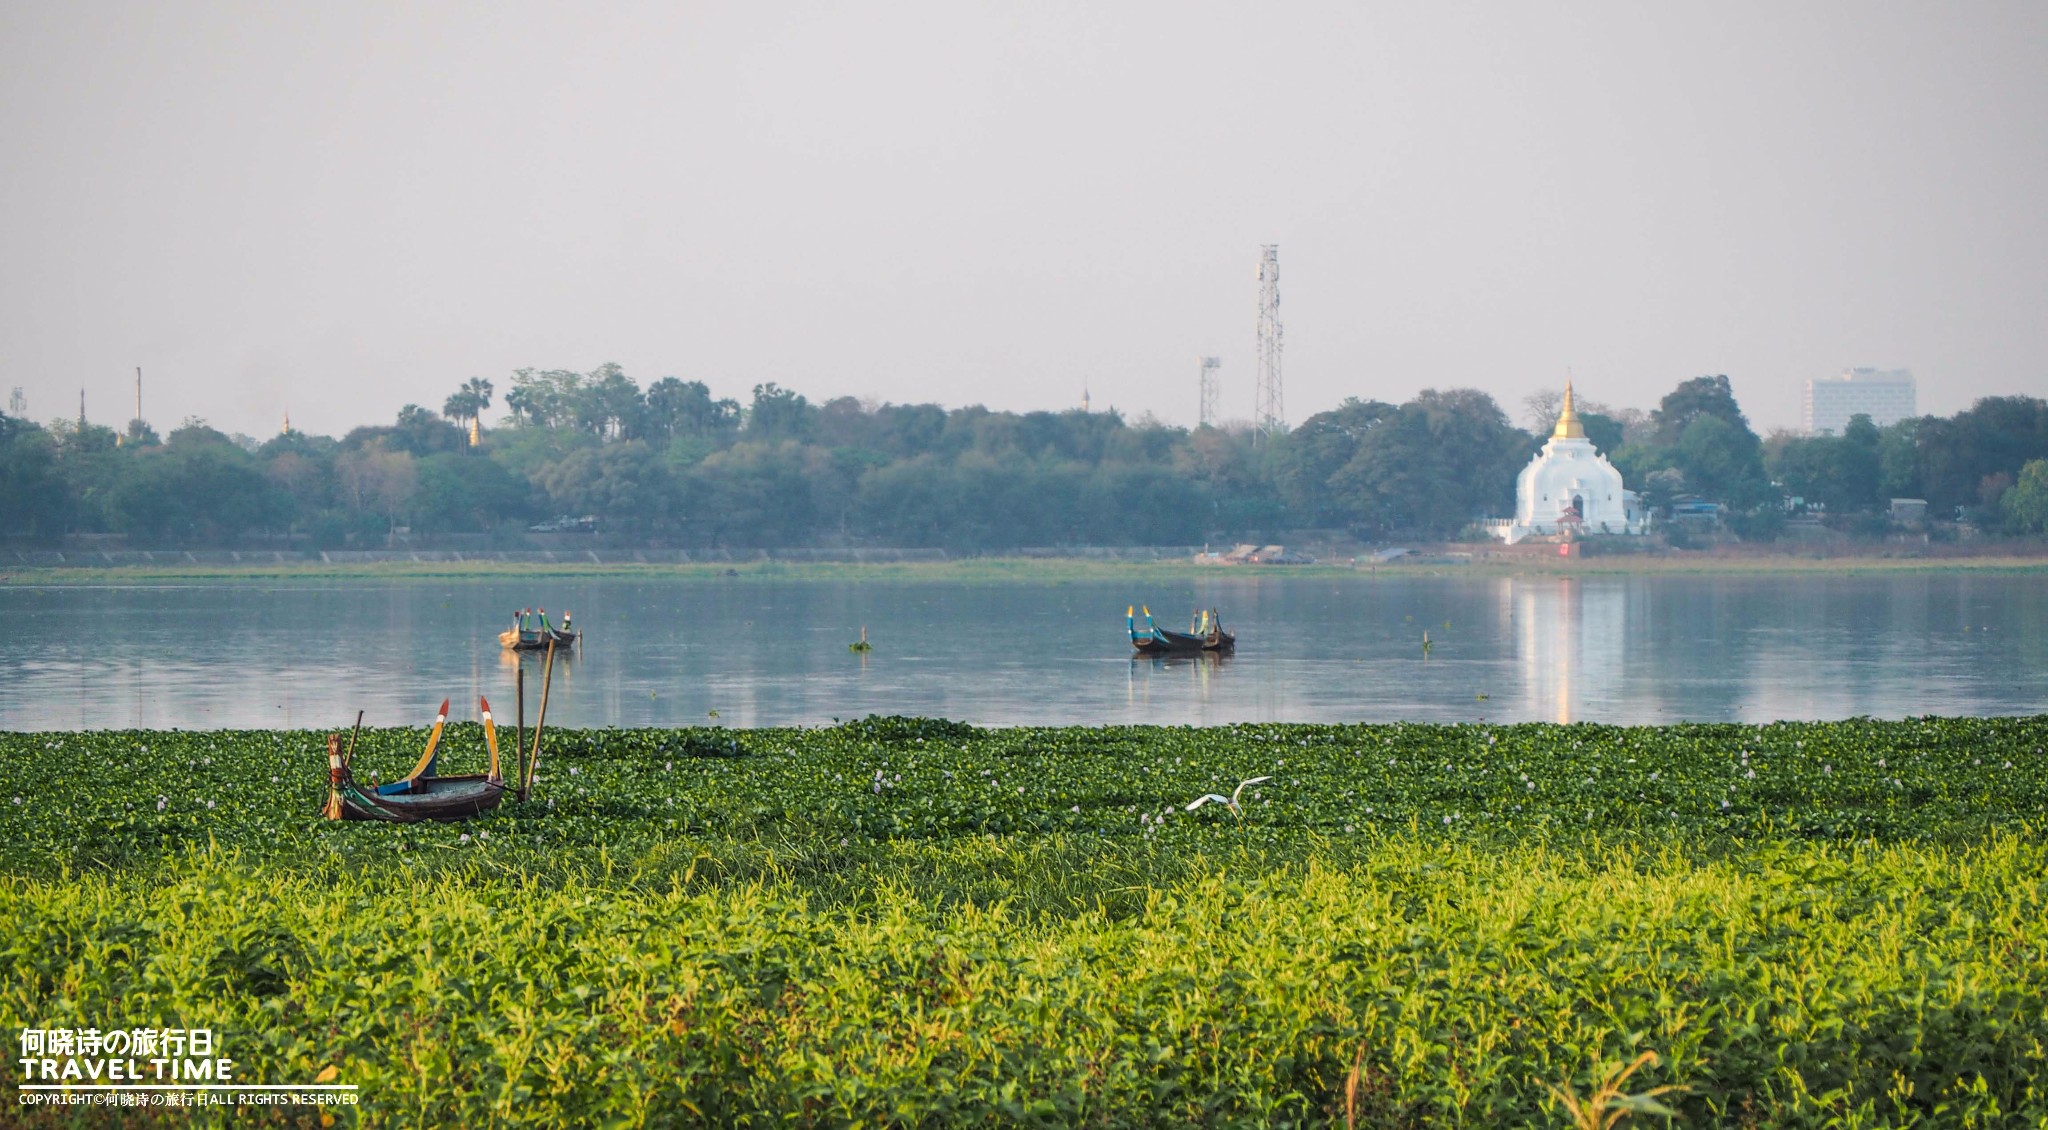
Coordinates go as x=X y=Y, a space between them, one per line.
x=1995 y=436
x=376 y=482
x=469 y=401
x=32 y=488
x=196 y=491
x=909 y=502
x=779 y=414
x=1603 y=431
x=220 y=494
x=460 y=493
x=609 y=405
x=1709 y=439
x=1843 y=473
x=419 y=432
x=678 y=409
x=544 y=398
x=1436 y=464
x=1700 y=396
x=1898 y=457
x=1140 y=504
x=625 y=484
x=754 y=494
x=1240 y=483
x=907 y=430
x=2026 y=505
x=1721 y=461
x=195 y=432
x=1660 y=487
x=1315 y=452
x=92 y=465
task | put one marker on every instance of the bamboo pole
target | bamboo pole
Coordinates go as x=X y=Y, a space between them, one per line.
x=519 y=734
x=547 y=680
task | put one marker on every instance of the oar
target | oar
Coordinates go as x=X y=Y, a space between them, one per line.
x=350 y=756
x=547 y=681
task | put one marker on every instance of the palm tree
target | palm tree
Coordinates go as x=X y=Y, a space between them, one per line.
x=469 y=402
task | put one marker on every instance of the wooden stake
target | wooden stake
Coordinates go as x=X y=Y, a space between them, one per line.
x=519 y=735
x=547 y=681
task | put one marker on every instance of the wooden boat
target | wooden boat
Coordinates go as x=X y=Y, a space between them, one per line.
x=421 y=794
x=537 y=639
x=1204 y=634
x=531 y=631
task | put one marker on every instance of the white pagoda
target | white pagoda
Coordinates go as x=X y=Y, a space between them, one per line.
x=1570 y=488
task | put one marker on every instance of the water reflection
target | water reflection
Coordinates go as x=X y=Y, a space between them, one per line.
x=1569 y=642
x=1604 y=649
x=1194 y=673
x=535 y=661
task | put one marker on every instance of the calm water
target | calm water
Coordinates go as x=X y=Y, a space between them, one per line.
x=1624 y=650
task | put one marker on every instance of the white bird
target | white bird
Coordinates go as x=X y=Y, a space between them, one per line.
x=1230 y=802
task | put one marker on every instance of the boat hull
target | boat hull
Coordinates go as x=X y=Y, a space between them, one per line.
x=535 y=641
x=432 y=798
x=1181 y=643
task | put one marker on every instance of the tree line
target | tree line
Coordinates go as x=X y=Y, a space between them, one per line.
x=671 y=464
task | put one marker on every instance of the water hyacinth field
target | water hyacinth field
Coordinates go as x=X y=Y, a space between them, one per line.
x=916 y=922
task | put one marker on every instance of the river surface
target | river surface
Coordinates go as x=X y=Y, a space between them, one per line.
x=752 y=652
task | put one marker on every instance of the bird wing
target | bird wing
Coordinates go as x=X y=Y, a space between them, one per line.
x=1202 y=800
x=1242 y=785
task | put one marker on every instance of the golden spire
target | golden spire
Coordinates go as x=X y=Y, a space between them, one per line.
x=287 y=425
x=1568 y=426
x=475 y=437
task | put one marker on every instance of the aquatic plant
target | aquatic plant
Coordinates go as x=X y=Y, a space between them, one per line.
x=913 y=921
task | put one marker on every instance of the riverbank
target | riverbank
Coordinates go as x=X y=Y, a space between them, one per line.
x=174 y=567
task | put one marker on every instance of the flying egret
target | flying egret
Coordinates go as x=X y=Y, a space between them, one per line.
x=1230 y=802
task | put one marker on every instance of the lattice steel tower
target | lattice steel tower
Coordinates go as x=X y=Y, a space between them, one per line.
x=1209 y=367
x=1270 y=414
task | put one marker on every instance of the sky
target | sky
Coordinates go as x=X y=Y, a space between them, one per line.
x=333 y=210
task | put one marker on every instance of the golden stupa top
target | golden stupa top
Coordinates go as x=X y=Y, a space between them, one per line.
x=1568 y=426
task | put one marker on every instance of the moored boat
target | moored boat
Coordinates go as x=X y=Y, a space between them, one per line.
x=1205 y=633
x=536 y=641
x=532 y=631
x=421 y=794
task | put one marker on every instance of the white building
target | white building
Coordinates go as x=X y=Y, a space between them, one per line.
x=1569 y=487
x=1885 y=396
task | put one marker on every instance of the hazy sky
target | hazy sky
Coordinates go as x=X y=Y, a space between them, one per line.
x=334 y=209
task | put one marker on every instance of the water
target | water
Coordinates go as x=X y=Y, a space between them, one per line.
x=1603 y=649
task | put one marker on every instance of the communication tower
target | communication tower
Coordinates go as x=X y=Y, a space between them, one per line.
x=1209 y=367
x=17 y=404
x=1269 y=415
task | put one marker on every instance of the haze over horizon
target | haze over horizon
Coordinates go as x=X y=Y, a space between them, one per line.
x=334 y=211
